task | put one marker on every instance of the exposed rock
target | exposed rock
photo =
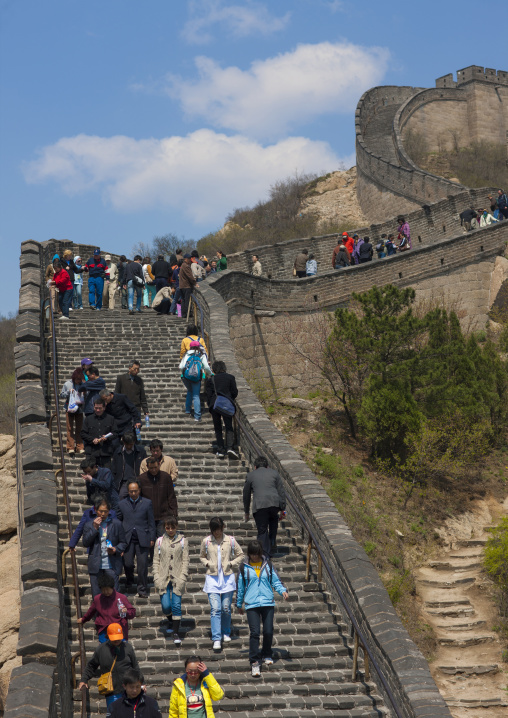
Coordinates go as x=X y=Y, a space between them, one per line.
x=6 y=442
x=5 y=676
x=327 y=451
x=9 y=513
x=9 y=615
x=334 y=200
x=297 y=403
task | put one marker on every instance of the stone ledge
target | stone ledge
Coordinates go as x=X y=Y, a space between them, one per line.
x=28 y=327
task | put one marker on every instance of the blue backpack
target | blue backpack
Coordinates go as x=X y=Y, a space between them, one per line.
x=193 y=368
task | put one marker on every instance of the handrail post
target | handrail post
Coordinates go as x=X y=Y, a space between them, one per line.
x=320 y=568
x=307 y=566
x=354 y=672
x=366 y=664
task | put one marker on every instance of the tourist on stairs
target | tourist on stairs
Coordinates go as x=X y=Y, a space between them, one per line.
x=194 y=691
x=122 y=410
x=134 y=703
x=268 y=502
x=134 y=281
x=99 y=481
x=166 y=463
x=97 y=272
x=220 y=554
x=65 y=287
x=126 y=463
x=105 y=538
x=170 y=572
x=133 y=386
x=256 y=581
x=98 y=434
x=92 y=387
x=157 y=486
x=194 y=367
x=74 y=402
x=109 y=606
x=222 y=385
x=117 y=656
x=136 y=514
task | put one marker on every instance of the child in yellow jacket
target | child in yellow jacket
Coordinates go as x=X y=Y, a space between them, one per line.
x=195 y=689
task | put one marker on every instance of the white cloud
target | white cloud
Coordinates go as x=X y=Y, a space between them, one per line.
x=251 y=18
x=204 y=174
x=282 y=92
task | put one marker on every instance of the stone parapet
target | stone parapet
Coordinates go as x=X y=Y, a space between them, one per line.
x=404 y=668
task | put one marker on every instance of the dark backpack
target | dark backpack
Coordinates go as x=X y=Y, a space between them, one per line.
x=341 y=260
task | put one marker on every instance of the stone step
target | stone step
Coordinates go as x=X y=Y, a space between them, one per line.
x=465 y=641
x=461 y=625
x=474 y=670
x=455 y=566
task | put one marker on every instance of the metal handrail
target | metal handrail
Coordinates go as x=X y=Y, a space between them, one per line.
x=358 y=635
x=359 y=638
x=82 y=652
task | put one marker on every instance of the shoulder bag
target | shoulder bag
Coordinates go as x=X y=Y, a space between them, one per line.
x=105 y=682
x=222 y=404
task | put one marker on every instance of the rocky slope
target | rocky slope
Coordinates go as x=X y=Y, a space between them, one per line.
x=333 y=198
x=9 y=565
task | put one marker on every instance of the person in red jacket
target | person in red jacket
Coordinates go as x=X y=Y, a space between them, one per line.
x=109 y=606
x=62 y=282
x=348 y=242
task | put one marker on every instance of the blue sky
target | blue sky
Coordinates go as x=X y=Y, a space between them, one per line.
x=122 y=120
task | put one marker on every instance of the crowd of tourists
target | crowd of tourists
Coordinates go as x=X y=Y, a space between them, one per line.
x=165 y=285
x=495 y=211
x=132 y=520
x=354 y=249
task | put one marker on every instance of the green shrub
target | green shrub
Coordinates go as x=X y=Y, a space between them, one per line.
x=496 y=561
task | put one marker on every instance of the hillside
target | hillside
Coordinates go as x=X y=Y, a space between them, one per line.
x=299 y=206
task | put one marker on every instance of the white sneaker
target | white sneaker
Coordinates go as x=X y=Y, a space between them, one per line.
x=256 y=670
x=268 y=661
x=216 y=646
x=177 y=640
x=64 y=317
x=226 y=639
x=232 y=454
x=71 y=309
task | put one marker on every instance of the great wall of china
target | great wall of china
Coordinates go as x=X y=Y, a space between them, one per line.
x=242 y=317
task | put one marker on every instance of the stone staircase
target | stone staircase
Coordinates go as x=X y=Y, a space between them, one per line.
x=311 y=675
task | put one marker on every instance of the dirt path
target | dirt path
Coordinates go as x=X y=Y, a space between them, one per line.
x=457 y=602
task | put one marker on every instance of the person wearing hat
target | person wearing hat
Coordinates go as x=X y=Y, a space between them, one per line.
x=187 y=282
x=85 y=363
x=98 y=271
x=195 y=355
x=109 y=296
x=348 y=242
x=115 y=655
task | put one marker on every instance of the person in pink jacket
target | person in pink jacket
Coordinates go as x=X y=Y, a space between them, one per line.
x=109 y=606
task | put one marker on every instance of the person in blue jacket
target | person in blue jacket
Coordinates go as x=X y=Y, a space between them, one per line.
x=105 y=539
x=88 y=515
x=91 y=388
x=257 y=579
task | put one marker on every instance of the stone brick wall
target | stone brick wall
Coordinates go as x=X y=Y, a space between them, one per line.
x=472 y=109
x=404 y=667
x=429 y=226
x=42 y=640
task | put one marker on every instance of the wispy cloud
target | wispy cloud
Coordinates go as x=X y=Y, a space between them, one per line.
x=250 y=18
x=204 y=174
x=282 y=92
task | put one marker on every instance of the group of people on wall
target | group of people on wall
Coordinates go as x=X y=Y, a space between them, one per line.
x=133 y=520
x=352 y=250
x=495 y=211
x=165 y=285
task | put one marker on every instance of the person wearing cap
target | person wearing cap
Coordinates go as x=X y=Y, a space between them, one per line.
x=192 y=336
x=187 y=282
x=115 y=655
x=358 y=241
x=109 y=295
x=98 y=271
x=336 y=251
x=348 y=242
x=92 y=387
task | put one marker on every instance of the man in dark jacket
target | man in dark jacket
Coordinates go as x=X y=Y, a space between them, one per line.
x=136 y=515
x=132 y=385
x=466 y=218
x=103 y=658
x=162 y=272
x=133 y=281
x=134 y=697
x=105 y=538
x=98 y=432
x=268 y=499
x=126 y=463
x=300 y=265
x=157 y=486
x=91 y=388
x=99 y=481
x=88 y=515
x=187 y=282
x=98 y=271
x=122 y=266
x=221 y=384
x=502 y=203
x=365 y=251
x=122 y=410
